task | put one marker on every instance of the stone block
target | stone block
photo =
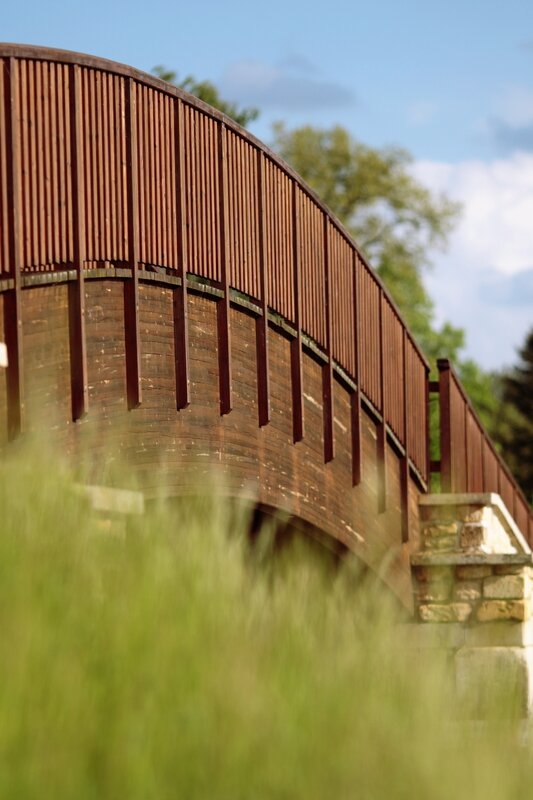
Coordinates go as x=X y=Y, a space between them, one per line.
x=472 y=535
x=467 y=591
x=113 y=501
x=436 y=573
x=448 y=529
x=434 y=591
x=511 y=569
x=494 y=682
x=468 y=572
x=506 y=587
x=504 y=633
x=439 y=514
x=492 y=610
x=449 y=612
x=470 y=513
x=435 y=635
x=440 y=543
x=501 y=534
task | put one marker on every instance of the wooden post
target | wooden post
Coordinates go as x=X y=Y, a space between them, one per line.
x=76 y=289
x=404 y=465
x=261 y=324
x=181 y=328
x=446 y=478
x=296 y=343
x=12 y=298
x=382 y=429
x=355 y=398
x=131 y=285
x=223 y=305
x=327 y=369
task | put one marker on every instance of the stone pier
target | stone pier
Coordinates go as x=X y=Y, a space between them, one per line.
x=472 y=584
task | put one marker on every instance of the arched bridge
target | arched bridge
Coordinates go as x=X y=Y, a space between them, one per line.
x=171 y=288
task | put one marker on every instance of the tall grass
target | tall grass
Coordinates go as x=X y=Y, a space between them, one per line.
x=173 y=663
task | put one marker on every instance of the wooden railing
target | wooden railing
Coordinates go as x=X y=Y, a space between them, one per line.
x=469 y=462
x=102 y=166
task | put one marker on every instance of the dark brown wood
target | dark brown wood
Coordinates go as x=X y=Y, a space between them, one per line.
x=263 y=387
x=465 y=449
x=446 y=479
x=223 y=305
x=427 y=476
x=12 y=298
x=131 y=285
x=404 y=463
x=327 y=369
x=122 y=191
x=296 y=343
x=181 y=328
x=76 y=298
x=355 y=399
x=484 y=446
x=382 y=427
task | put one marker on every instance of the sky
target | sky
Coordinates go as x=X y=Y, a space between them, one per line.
x=452 y=82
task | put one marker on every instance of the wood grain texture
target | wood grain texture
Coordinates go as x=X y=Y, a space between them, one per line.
x=107 y=171
x=173 y=451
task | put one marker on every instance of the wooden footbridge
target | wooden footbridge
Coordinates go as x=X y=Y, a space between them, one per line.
x=173 y=292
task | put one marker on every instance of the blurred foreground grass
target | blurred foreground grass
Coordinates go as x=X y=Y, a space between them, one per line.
x=172 y=663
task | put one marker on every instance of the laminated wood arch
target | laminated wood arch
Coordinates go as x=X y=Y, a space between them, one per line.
x=170 y=285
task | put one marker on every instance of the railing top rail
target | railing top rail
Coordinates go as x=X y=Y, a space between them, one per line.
x=444 y=364
x=21 y=51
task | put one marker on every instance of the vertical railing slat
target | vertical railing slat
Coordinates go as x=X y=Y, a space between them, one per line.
x=261 y=325
x=296 y=342
x=355 y=399
x=382 y=429
x=76 y=288
x=12 y=298
x=404 y=464
x=446 y=477
x=327 y=368
x=179 y=298
x=131 y=285
x=223 y=304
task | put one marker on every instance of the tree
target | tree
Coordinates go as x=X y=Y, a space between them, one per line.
x=208 y=92
x=516 y=427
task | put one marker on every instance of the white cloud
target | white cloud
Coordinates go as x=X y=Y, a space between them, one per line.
x=511 y=126
x=483 y=282
x=287 y=86
x=495 y=230
x=516 y=106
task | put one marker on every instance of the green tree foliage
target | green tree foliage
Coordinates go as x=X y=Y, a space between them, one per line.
x=208 y=92
x=515 y=431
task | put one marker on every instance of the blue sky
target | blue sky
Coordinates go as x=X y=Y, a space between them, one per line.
x=450 y=81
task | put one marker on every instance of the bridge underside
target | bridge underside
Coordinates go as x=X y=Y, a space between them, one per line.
x=177 y=449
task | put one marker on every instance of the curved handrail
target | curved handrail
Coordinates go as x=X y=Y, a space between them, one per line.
x=469 y=460
x=110 y=166
x=8 y=49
